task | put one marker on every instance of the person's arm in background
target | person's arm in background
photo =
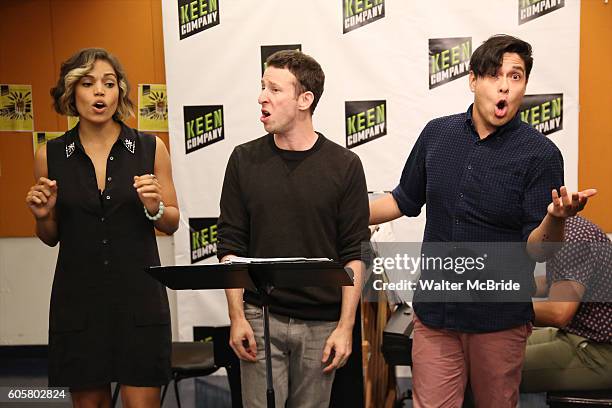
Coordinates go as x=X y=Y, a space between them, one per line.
x=563 y=302
x=541 y=287
x=568 y=274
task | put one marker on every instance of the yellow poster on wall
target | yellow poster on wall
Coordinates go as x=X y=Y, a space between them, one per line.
x=72 y=121
x=41 y=138
x=16 y=113
x=152 y=108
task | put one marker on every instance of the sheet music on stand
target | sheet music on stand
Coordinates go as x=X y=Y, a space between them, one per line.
x=245 y=260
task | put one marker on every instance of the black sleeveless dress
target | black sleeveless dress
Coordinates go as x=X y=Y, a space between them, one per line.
x=109 y=320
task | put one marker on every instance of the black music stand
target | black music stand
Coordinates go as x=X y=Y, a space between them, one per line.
x=261 y=276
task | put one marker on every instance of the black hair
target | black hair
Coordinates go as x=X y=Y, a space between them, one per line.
x=487 y=58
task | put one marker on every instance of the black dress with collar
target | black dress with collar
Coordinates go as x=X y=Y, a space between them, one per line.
x=109 y=321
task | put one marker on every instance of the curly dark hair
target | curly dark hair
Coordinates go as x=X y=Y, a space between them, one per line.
x=487 y=58
x=75 y=68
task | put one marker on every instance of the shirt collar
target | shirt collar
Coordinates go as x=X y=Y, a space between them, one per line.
x=502 y=130
x=127 y=137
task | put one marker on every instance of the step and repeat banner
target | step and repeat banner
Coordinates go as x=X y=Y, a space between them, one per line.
x=390 y=66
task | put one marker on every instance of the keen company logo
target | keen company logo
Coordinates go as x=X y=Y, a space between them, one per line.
x=449 y=59
x=202 y=238
x=543 y=112
x=357 y=13
x=203 y=126
x=365 y=121
x=267 y=50
x=531 y=9
x=196 y=16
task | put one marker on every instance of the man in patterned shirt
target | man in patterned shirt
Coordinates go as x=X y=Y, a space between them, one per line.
x=486 y=177
x=576 y=352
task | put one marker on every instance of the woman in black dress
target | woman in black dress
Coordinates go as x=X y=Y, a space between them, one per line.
x=102 y=189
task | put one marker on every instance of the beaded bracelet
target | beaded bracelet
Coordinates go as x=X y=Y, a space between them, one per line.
x=157 y=216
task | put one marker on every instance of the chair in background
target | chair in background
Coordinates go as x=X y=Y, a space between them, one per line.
x=579 y=399
x=397 y=342
x=209 y=352
x=190 y=360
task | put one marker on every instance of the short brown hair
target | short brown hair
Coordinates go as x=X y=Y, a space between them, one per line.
x=79 y=65
x=307 y=71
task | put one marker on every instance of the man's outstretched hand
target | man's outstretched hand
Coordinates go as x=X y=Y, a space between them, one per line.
x=566 y=205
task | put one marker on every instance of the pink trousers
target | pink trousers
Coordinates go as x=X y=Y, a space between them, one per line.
x=444 y=360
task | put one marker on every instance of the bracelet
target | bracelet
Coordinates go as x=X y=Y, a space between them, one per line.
x=157 y=216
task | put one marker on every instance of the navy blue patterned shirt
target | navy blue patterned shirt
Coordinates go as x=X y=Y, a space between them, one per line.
x=494 y=189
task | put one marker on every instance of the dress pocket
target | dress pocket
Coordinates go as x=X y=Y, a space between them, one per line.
x=151 y=319
x=67 y=322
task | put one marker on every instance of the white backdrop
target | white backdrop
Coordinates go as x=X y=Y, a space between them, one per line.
x=385 y=59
